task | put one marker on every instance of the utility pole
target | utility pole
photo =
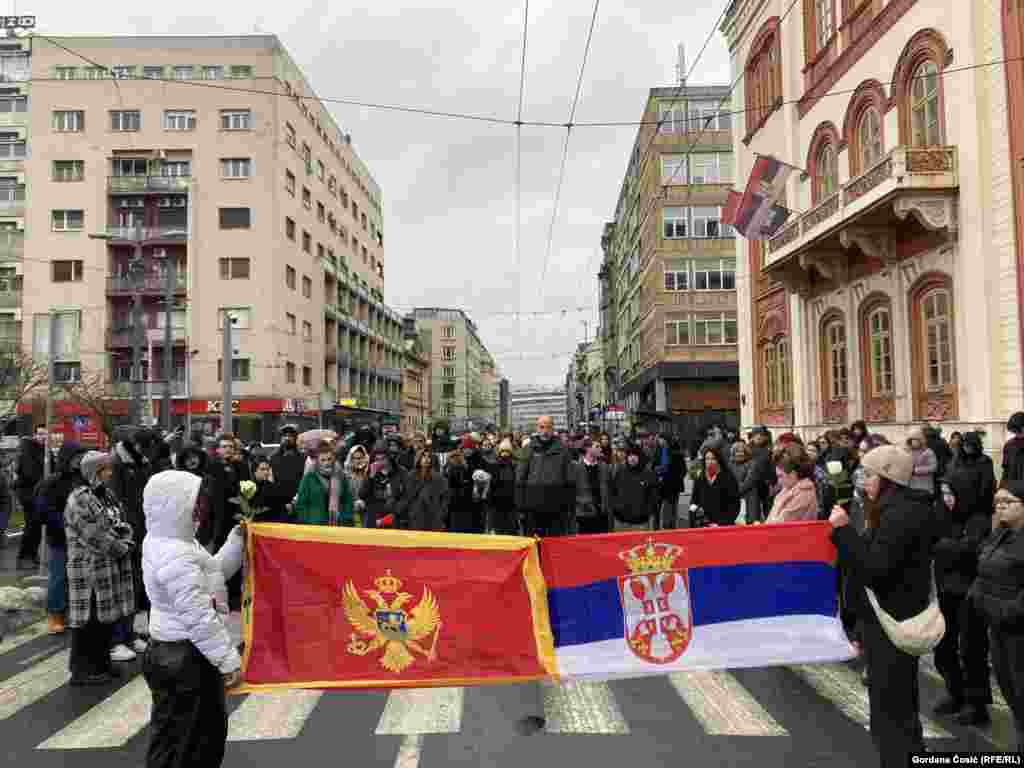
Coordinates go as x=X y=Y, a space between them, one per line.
x=171 y=276
x=138 y=275
x=227 y=357
x=51 y=383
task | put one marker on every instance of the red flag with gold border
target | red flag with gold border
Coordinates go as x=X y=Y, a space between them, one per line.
x=333 y=607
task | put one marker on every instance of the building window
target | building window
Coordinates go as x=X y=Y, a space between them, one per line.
x=125 y=120
x=235 y=120
x=924 y=107
x=320 y=250
x=673 y=170
x=176 y=168
x=122 y=72
x=448 y=371
x=67 y=373
x=289 y=135
x=11 y=147
x=241 y=71
x=69 y=121
x=213 y=73
x=68 y=170
x=236 y=168
x=289 y=373
x=67 y=220
x=772 y=396
x=179 y=120
x=153 y=73
x=9 y=104
x=242 y=317
x=320 y=170
x=763 y=77
x=707 y=221
x=307 y=330
x=706 y=116
x=66 y=271
x=289 y=183
x=826 y=172
x=677 y=280
x=290 y=319
x=234 y=269
x=449 y=409
x=714 y=275
x=835 y=348
x=880 y=351
x=66 y=73
x=332 y=185
x=307 y=199
x=448 y=332
x=869 y=139
x=307 y=242
x=307 y=287
x=307 y=376
x=447 y=353
x=239 y=369
x=448 y=390
x=675 y=222
x=289 y=277
x=321 y=212
x=711 y=168
x=235 y=218
x=824 y=23
x=289 y=228
x=714 y=330
x=936 y=308
x=677 y=333
x=183 y=72
x=671 y=118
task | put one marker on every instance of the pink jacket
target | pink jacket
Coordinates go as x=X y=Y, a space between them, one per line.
x=797 y=503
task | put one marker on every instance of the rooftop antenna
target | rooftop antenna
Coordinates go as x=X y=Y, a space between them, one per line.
x=681 y=66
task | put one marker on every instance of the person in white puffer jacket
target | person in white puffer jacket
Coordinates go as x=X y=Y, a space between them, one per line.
x=191 y=659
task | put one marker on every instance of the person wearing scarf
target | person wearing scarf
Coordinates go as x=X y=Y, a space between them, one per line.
x=382 y=492
x=357 y=471
x=716 y=494
x=592 y=492
x=324 y=497
x=798 y=497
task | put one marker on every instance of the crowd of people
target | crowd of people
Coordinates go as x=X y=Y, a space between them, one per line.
x=914 y=524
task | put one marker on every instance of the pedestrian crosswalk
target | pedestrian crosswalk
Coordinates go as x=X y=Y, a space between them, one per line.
x=718 y=703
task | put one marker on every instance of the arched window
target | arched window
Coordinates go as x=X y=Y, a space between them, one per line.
x=785 y=373
x=937 y=325
x=880 y=351
x=762 y=76
x=869 y=138
x=771 y=380
x=924 y=106
x=826 y=172
x=835 y=351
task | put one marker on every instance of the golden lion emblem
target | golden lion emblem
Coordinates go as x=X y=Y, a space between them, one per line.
x=389 y=625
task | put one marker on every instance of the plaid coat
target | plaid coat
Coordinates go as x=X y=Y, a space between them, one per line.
x=99 y=562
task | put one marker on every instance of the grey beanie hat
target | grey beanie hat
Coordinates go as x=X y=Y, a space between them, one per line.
x=92 y=461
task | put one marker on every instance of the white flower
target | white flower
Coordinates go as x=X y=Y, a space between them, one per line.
x=247 y=489
x=834 y=467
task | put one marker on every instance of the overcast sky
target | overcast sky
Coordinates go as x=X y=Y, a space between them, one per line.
x=449 y=199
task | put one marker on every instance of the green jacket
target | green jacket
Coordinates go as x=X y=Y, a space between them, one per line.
x=311 y=505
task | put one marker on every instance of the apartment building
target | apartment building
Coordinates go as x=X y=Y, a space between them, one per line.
x=668 y=280
x=15 y=72
x=416 y=383
x=527 y=404
x=462 y=370
x=206 y=164
x=893 y=292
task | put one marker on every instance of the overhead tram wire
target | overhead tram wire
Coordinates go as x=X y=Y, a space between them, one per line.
x=518 y=181
x=565 y=151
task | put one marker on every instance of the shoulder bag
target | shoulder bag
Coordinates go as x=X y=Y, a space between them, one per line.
x=917 y=635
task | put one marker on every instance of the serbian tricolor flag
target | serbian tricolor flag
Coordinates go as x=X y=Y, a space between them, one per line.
x=329 y=607
x=634 y=604
x=756 y=214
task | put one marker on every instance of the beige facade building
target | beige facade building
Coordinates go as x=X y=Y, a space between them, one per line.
x=214 y=159
x=893 y=294
x=462 y=370
x=416 y=382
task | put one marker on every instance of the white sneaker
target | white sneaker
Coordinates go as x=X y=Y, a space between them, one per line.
x=140 y=645
x=122 y=652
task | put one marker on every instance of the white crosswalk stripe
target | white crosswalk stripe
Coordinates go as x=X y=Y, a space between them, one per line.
x=111 y=723
x=842 y=686
x=582 y=707
x=25 y=635
x=723 y=706
x=418 y=711
x=272 y=715
x=28 y=687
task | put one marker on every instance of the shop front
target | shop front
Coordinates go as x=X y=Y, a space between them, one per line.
x=253 y=420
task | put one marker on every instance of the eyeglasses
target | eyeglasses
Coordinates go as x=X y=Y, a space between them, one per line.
x=1002 y=503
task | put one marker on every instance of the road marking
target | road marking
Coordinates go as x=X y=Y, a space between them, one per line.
x=26 y=635
x=409 y=751
x=929 y=669
x=843 y=687
x=272 y=715
x=418 y=711
x=111 y=723
x=28 y=687
x=582 y=707
x=723 y=706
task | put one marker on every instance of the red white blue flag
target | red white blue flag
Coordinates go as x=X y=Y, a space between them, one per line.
x=756 y=214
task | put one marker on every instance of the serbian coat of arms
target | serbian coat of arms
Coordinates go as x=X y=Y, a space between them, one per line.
x=389 y=625
x=655 y=602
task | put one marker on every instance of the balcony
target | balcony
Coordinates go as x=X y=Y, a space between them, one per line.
x=12 y=245
x=142 y=185
x=154 y=388
x=868 y=211
x=13 y=119
x=10 y=299
x=12 y=165
x=393 y=374
x=13 y=208
x=125 y=337
x=147 y=234
x=151 y=284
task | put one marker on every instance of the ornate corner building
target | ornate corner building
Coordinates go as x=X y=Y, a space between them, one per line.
x=893 y=292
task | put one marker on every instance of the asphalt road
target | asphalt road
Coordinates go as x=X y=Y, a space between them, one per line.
x=792 y=716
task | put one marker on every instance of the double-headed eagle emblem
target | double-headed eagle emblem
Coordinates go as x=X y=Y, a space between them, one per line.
x=389 y=626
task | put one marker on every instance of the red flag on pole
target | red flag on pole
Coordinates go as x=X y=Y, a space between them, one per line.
x=755 y=214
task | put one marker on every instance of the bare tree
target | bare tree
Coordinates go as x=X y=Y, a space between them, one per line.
x=98 y=396
x=22 y=377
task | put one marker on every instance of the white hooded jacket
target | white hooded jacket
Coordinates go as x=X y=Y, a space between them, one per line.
x=178 y=572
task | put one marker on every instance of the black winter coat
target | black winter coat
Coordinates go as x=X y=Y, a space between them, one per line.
x=894 y=560
x=674 y=480
x=131 y=472
x=973 y=479
x=30 y=466
x=761 y=476
x=272 y=498
x=545 y=480
x=288 y=468
x=425 y=505
x=54 y=492
x=961 y=532
x=1013 y=459
x=383 y=495
x=462 y=511
x=633 y=494
x=720 y=500
x=998 y=592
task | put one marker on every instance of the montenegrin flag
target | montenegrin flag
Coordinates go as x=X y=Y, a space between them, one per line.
x=329 y=607
x=634 y=604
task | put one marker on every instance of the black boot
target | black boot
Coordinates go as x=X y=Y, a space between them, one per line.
x=949 y=706
x=975 y=714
